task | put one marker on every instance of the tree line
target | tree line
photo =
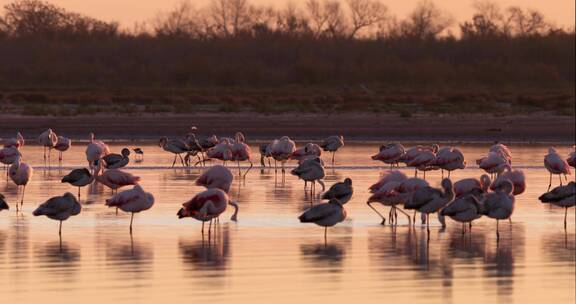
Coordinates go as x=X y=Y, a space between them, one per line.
x=323 y=42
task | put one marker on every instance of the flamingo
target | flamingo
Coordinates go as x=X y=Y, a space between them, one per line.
x=281 y=150
x=222 y=151
x=217 y=177
x=265 y=153
x=467 y=185
x=241 y=152
x=62 y=145
x=117 y=161
x=20 y=173
x=207 y=205
x=59 y=208
x=48 y=139
x=139 y=154
x=207 y=143
x=388 y=176
x=571 y=160
x=499 y=205
x=325 y=215
x=95 y=150
x=194 y=148
x=175 y=146
x=134 y=200
x=310 y=150
x=114 y=178
x=450 y=159
x=503 y=151
x=394 y=193
x=3 y=204
x=16 y=142
x=555 y=165
x=9 y=156
x=493 y=164
x=464 y=210
x=79 y=178
x=561 y=196
x=332 y=144
x=341 y=191
x=428 y=200
x=424 y=161
x=515 y=176
x=311 y=171
x=390 y=154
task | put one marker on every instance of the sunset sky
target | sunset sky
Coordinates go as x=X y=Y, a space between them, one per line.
x=127 y=12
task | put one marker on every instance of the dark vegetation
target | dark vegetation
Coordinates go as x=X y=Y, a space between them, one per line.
x=327 y=56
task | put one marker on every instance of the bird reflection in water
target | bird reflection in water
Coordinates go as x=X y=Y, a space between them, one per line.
x=208 y=253
x=322 y=255
x=129 y=257
x=59 y=258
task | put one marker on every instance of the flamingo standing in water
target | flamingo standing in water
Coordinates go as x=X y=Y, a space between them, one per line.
x=561 y=196
x=20 y=173
x=208 y=205
x=17 y=142
x=310 y=150
x=424 y=161
x=499 y=205
x=428 y=200
x=114 y=178
x=341 y=191
x=281 y=150
x=555 y=165
x=59 y=208
x=503 y=151
x=3 y=204
x=332 y=144
x=79 y=178
x=393 y=194
x=95 y=150
x=117 y=161
x=222 y=151
x=515 y=176
x=311 y=171
x=494 y=164
x=464 y=210
x=467 y=185
x=62 y=145
x=48 y=139
x=388 y=176
x=217 y=177
x=174 y=146
x=390 y=154
x=325 y=215
x=265 y=153
x=134 y=200
x=450 y=159
x=571 y=160
x=241 y=152
x=9 y=156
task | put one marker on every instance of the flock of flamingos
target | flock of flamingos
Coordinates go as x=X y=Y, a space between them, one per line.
x=464 y=201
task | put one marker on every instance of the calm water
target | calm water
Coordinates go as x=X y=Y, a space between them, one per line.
x=268 y=255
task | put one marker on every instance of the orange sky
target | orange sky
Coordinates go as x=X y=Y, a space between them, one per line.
x=127 y=12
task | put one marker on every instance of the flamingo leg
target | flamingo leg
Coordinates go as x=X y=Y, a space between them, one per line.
x=406 y=214
x=23 y=192
x=325 y=234
x=383 y=218
x=60 y=229
x=131 y=220
x=550 y=183
x=181 y=160
x=333 y=155
x=497 y=232
x=560 y=178
x=565 y=216
x=174 y=162
x=78 y=192
x=250 y=168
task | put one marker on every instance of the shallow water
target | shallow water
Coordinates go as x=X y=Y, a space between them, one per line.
x=268 y=255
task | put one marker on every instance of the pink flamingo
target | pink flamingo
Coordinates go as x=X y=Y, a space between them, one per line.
x=394 y=193
x=59 y=208
x=424 y=161
x=428 y=200
x=217 y=177
x=515 y=176
x=134 y=200
x=20 y=173
x=332 y=144
x=241 y=152
x=16 y=142
x=208 y=205
x=555 y=165
x=95 y=150
x=390 y=154
x=467 y=185
x=62 y=145
x=493 y=164
x=571 y=160
x=499 y=205
x=114 y=178
x=222 y=151
x=450 y=159
x=9 y=156
x=503 y=151
x=464 y=210
x=310 y=150
x=282 y=150
x=311 y=171
x=48 y=139
x=388 y=176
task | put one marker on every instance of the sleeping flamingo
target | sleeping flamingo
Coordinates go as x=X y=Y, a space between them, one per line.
x=325 y=215
x=515 y=176
x=59 y=208
x=217 y=177
x=390 y=154
x=241 y=152
x=208 y=205
x=332 y=144
x=499 y=205
x=423 y=161
x=20 y=173
x=464 y=210
x=467 y=185
x=561 y=196
x=281 y=150
x=134 y=200
x=555 y=165
x=450 y=159
x=310 y=150
x=494 y=164
x=62 y=145
x=79 y=178
x=114 y=178
x=9 y=156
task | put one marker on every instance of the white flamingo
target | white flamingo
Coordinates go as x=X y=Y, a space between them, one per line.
x=450 y=159
x=281 y=150
x=95 y=150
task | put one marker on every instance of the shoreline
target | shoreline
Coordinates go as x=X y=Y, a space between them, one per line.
x=356 y=127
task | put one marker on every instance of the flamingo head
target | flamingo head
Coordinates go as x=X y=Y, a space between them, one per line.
x=125 y=152
x=162 y=141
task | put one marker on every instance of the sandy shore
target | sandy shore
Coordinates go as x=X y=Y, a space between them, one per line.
x=378 y=127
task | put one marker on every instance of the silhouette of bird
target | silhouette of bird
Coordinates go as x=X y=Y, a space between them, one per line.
x=59 y=208
x=95 y=150
x=430 y=200
x=341 y=191
x=390 y=154
x=465 y=186
x=332 y=144
x=48 y=139
x=174 y=146
x=561 y=196
x=325 y=215
x=555 y=165
x=499 y=205
x=134 y=200
x=62 y=145
x=311 y=171
x=79 y=178
x=139 y=154
x=117 y=161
